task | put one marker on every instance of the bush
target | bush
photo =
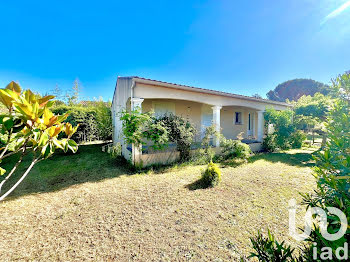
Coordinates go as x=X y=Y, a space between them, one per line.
x=283 y=125
x=85 y=117
x=104 y=120
x=181 y=132
x=116 y=150
x=297 y=139
x=95 y=121
x=211 y=176
x=206 y=153
x=156 y=132
x=268 y=249
x=332 y=174
x=269 y=144
x=234 y=149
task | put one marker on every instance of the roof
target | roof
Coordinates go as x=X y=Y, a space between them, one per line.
x=203 y=90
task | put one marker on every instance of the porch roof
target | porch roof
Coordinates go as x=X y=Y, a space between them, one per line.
x=142 y=80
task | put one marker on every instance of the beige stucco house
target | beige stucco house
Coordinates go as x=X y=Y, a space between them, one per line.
x=234 y=115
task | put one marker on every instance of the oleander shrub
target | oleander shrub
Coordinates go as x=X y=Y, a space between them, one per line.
x=268 y=249
x=211 y=177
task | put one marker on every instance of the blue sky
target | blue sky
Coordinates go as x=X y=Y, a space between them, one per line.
x=243 y=47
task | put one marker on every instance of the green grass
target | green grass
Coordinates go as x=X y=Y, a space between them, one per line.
x=85 y=206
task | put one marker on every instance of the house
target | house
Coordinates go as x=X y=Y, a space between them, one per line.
x=234 y=115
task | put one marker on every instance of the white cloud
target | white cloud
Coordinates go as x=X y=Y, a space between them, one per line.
x=336 y=12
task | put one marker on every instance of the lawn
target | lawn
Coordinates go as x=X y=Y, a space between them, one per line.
x=85 y=206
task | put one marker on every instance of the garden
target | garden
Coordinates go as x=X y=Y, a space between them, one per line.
x=64 y=202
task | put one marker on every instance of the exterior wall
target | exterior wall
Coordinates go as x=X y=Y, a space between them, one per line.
x=194 y=113
x=193 y=104
x=121 y=97
x=229 y=128
x=187 y=109
x=155 y=92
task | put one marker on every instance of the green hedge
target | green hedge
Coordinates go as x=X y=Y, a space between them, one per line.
x=91 y=127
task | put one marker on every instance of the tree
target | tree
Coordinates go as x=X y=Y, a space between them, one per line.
x=104 y=119
x=311 y=112
x=294 y=89
x=72 y=97
x=283 y=125
x=333 y=183
x=28 y=127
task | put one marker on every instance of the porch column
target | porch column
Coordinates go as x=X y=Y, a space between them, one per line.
x=216 y=123
x=136 y=104
x=260 y=127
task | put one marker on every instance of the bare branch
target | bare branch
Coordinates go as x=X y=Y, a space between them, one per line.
x=19 y=181
x=13 y=169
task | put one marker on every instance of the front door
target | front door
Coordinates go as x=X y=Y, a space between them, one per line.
x=250 y=124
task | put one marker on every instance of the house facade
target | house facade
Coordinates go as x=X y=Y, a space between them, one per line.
x=235 y=116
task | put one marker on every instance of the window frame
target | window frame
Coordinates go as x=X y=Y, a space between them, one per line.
x=239 y=114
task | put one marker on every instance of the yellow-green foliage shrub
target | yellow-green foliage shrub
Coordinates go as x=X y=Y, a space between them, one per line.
x=211 y=176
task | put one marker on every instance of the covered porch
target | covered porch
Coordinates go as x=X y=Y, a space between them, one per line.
x=234 y=122
x=235 y=116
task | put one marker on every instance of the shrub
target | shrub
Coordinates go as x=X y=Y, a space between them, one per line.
x=86 y=117
x=268 y=249
x=269 y=144
x=234 y=149
x=116 y=150
x=104 y=120
x=211 y=176
x=181 y=132
x=133 y=124
x=206 y=153
x=283 y=125
x=297 y=139
x=332 y=173
x=157 y=132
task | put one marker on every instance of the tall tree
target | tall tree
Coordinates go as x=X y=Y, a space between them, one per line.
x=294 y=89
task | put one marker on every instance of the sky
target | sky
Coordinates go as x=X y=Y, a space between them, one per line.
x=243 y=47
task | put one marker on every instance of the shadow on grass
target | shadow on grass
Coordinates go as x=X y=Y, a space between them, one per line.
x=90 y=164
x=61 y=170
x=302 y=159
x=199 y=184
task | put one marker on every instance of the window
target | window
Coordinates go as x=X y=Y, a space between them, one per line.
x=163 y=108
x=238 y=118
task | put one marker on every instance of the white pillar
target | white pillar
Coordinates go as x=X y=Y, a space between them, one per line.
x=216 y=123
x=260 y=127
x=136 y=104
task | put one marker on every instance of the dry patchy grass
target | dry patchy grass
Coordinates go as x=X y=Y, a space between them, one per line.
x=105 y=214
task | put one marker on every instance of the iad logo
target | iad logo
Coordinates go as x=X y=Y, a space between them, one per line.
x=323 y=224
